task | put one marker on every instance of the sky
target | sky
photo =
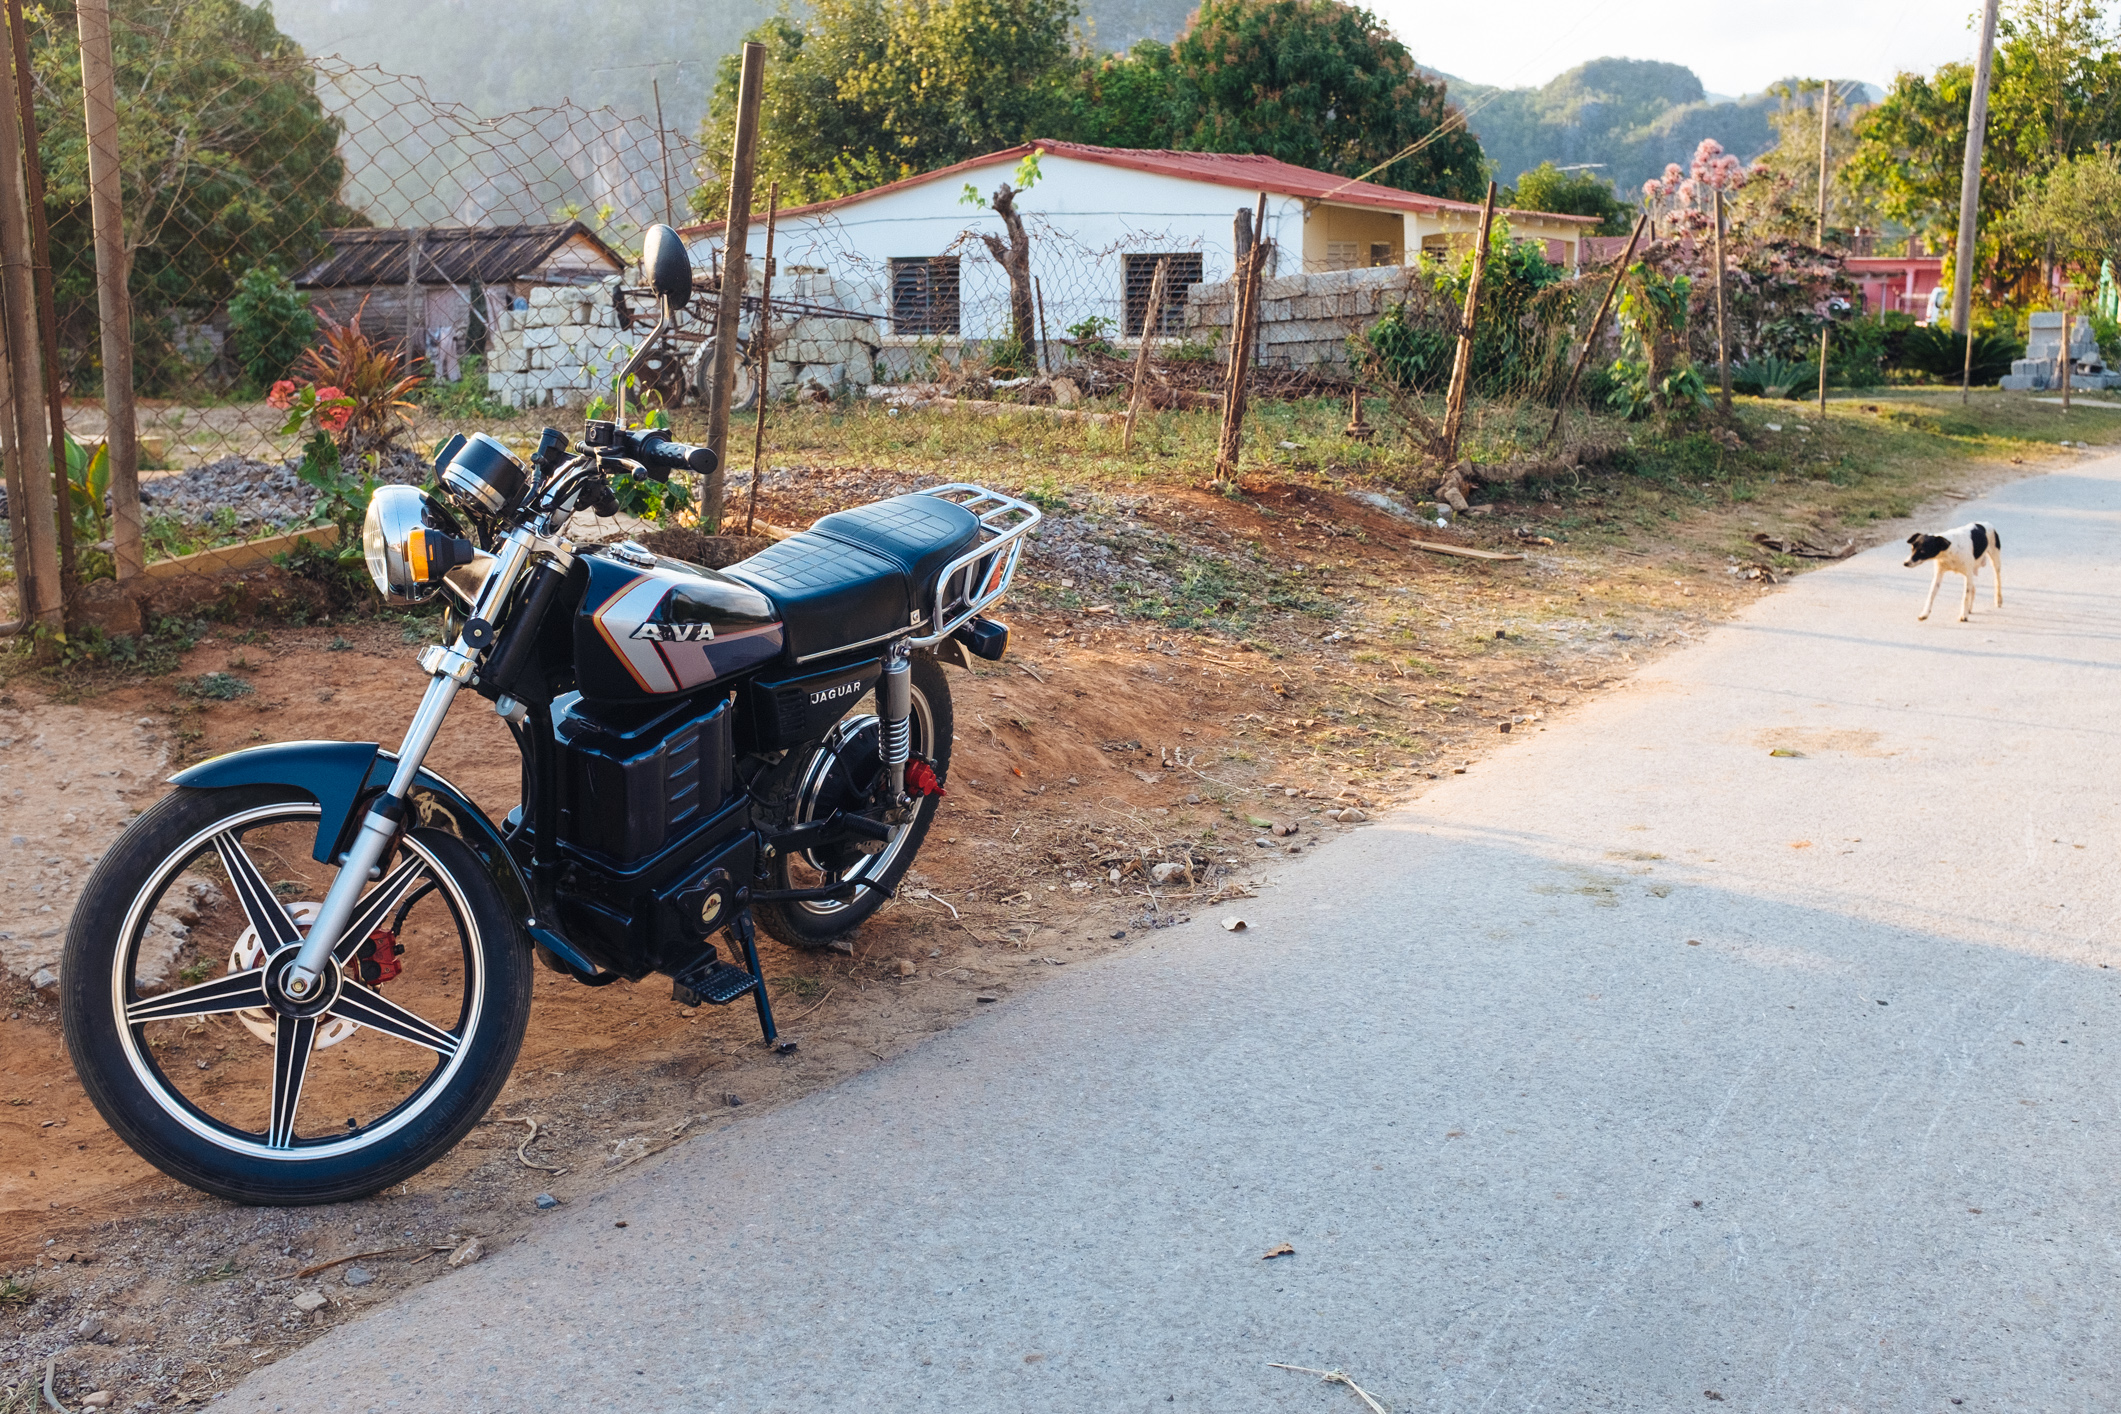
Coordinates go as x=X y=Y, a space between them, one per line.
x=1735 y=49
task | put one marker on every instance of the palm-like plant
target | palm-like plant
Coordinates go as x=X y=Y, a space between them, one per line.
x=373 y=374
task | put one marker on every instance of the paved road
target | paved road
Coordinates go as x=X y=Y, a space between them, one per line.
x=1635 y=1064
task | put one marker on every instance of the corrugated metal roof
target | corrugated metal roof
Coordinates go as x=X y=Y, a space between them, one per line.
x=1240 y=171
x=449 y=255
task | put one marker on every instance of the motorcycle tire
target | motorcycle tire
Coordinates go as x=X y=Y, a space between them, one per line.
x=814 y=779
x=170 y=1019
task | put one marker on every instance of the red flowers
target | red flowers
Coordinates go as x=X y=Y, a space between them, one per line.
x=334 y=409
x=282 y=395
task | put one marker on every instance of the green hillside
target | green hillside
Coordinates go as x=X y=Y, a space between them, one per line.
x=1633 y=115
x=540 y=51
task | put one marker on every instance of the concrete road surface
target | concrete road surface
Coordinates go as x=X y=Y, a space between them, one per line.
x=1640 y=1068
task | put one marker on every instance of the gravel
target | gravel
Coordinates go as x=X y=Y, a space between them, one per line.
x=261 y=493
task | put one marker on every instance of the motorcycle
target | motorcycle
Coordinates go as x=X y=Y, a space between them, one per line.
x=304 y=974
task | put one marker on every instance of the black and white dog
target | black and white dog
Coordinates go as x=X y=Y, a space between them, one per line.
x=1959 y=552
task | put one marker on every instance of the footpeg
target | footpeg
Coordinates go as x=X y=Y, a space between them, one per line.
x=717 y=984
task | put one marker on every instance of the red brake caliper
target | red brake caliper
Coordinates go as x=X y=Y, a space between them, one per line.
x=377 y=961
x=920 y=779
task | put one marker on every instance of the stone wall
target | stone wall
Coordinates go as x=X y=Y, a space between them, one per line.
x=1304 y=320
x=564 y=347
x=557 y=352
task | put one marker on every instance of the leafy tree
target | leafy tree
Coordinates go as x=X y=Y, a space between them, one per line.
x=1548 y=188
x=1323 y=84
x=228 y=159
x=2055 y=93
x=271 y=324
x=2075 y=210
x=1318 y=83
x=866 y=91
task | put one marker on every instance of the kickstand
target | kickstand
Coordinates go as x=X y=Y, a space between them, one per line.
x=741 y=924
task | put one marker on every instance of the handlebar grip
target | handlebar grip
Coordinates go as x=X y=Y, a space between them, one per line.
x=659 y=451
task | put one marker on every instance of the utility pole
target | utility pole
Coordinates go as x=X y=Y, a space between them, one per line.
x=1826 y=132
x=1970 y=192
x=113 y=296
x=736 y=233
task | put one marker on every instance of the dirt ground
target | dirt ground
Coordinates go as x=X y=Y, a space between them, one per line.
x=1131 y=726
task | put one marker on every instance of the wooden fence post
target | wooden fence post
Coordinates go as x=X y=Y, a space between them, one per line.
x=1244 y=319
x=1826 y=129
x=1462 y=367
x=113 y=294
x=37 y=554
x=40 y=254
x=1045 y=354
x=764 y=336
x=415 y=304
x=1583 y=356
x=1152 y=325
x=736 y=233
x=1723 y=348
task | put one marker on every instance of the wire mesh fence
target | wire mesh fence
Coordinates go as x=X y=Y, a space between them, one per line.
x=329 y=268
x=295 y=224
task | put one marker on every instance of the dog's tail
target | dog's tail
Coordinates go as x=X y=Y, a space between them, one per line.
x=1995 y=541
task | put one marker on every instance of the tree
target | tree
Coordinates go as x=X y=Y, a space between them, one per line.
x=2055 y=93
x=2075 y=211
x=1318 y=83
x=866 y=91
x=1014 y=256
x=1548 y=188
x=228 y=159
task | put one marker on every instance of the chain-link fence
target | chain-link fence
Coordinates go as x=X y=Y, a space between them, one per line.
x=313 y=246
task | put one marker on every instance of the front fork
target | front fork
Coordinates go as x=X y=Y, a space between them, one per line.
x=359 y=864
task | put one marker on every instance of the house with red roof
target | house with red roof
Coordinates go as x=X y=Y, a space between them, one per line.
x=1099 y=219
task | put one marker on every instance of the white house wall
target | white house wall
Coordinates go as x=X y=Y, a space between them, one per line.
x=1082 y=218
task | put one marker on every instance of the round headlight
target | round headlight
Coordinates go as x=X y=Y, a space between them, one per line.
x=484 y=475
x=394 y=514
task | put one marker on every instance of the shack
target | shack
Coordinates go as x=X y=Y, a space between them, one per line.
x=412 y=284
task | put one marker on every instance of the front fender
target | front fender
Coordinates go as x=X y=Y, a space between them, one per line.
x=332 y=773
x=338 y=774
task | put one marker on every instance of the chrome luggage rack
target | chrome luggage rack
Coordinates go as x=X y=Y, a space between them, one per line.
x=983 y=574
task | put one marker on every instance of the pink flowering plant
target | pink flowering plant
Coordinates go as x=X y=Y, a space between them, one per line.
x=342 y=497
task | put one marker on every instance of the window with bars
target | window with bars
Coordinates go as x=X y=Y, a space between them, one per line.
x=1139 y=275
x=924 y=294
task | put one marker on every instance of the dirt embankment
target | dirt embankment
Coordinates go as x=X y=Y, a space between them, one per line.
x=1196 y=681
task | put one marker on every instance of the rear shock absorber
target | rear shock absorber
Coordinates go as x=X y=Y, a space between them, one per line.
x=894 y=710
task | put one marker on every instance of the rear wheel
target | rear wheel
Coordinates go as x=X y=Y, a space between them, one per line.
x=839 y=773
x=201 y=1063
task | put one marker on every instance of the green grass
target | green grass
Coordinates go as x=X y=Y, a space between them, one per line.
x=220 y=687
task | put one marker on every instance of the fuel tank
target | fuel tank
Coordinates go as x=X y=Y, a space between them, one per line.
x=649 y=626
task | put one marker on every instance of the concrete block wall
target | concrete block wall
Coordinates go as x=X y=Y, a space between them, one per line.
x=560 y=351
x=1304 y=320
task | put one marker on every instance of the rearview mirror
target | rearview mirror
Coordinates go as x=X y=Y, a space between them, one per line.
x=668 y=265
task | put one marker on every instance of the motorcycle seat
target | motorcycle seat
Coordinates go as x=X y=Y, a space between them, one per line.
x=860 y=576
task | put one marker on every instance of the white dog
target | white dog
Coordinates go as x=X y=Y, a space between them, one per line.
x=1959 y=552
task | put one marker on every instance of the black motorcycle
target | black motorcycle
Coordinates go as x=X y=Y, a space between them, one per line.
x=304 y=974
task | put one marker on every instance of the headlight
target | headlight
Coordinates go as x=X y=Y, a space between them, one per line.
x=415 y=548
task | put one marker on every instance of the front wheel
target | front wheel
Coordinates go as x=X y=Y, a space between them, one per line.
x=205 y=1067
x=839 y=773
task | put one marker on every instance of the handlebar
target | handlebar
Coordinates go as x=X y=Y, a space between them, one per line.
x=652 y=450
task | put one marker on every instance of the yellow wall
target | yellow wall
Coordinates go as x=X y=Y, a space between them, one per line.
x=1342 y=238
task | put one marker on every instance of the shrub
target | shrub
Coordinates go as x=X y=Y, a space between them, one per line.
x=270 y=323
x=1941 y=353
x=1771 y=377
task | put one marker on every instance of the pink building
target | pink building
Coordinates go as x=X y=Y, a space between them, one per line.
x=1897 y=282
